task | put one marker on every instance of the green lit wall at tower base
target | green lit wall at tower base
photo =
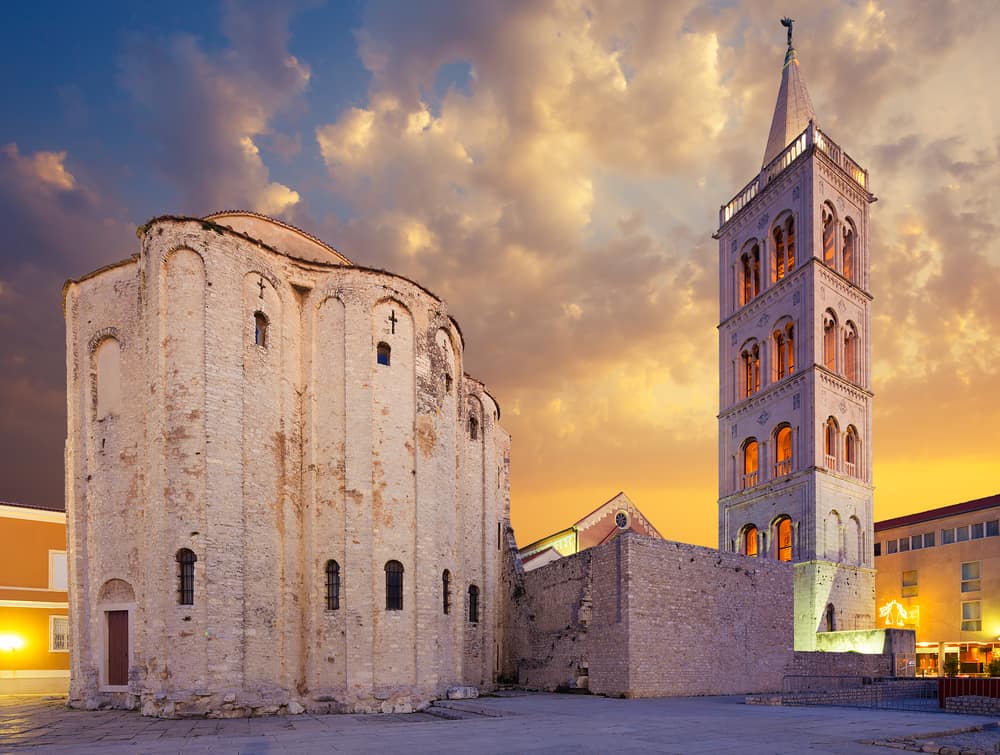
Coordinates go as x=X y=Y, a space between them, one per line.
x=819 y=584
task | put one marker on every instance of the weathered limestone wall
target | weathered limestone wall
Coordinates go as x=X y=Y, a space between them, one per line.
x=267 y=461
x=634 y=617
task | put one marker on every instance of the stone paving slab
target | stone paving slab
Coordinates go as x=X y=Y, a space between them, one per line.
x=528 y=723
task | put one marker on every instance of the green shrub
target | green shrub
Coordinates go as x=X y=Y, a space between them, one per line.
x=994 y=667
x=951 y=666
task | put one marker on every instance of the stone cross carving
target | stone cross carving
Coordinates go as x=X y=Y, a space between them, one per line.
x=260 y=284
x=393 y=320
x=787 y=23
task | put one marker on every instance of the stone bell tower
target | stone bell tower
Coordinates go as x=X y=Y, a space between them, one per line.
x=795 y=418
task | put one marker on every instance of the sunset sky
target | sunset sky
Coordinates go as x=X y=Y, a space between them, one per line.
x=553 y=169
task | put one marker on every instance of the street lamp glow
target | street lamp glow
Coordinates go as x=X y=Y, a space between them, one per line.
x=11 y=642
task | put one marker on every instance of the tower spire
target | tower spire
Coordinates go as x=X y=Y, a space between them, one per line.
x=793 y=109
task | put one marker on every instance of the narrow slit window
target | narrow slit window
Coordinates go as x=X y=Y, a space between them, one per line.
x=473 y=604
x=785 y=540
x=446 y=591
x=473 y=428
x=393 y=586
x=185 y=576
x=260 y=329
x=382 y=353
x=332 y=585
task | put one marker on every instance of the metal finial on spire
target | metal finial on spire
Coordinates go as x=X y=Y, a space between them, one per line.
x=787 y=22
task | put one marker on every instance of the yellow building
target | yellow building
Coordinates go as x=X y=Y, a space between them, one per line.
x=34 y=626
x=938 y=572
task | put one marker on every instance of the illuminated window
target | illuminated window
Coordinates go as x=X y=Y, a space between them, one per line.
x=972 y=616
x=783 y=451
x=750 y=274
x=848 y=250
x=446 y=591
x=751 y=369
x=58 y=634
x=185 y=576
x=473 y=604
x=783 y=340
x=332 y=585
x=851 y=448
x=829 y=235
x=393 y=586
x=785 y=539
x=750 y=463
x=750 y=540
x=851 y=353
x=383 y=353
x=831 y=438
x=260 y=329
x=910 y=584
x=971 y=581
x=830 y=340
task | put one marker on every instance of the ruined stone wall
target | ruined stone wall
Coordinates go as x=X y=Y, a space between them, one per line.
x=268 y=461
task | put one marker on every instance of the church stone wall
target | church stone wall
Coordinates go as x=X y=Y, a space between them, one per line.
x=267 y=461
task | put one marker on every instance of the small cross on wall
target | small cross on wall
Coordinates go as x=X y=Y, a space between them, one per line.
x=260 y=285
x=393 y=320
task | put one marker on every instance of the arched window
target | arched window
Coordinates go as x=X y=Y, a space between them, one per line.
x=750 y=273
x=784 y=249
x=830 y=340
x=831 y=438
x=260 y=329
x=749 y=540
x=751 y=369
x=831 y=618
x=784 y=351
x=332 y=585
x=829 y=235
x=446 y=591
x=393 y=586
x=848 y=250
x=473 y=604
x=382 y=353
x=185 y=576
x=851 y=352
x=750 y=463
x=784 y=528
x=473 y=427
x=783 y=451
x=851 y=448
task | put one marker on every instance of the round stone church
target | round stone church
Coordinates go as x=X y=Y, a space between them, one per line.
x=283 y=491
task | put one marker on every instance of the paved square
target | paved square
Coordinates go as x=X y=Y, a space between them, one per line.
x=510 y=722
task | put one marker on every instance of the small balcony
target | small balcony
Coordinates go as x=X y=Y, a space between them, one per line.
x=782 y=467
x=831 y=462
x=850 y=468
x=749 y=480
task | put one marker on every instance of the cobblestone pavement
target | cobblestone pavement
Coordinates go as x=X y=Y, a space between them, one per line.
x=516 y=722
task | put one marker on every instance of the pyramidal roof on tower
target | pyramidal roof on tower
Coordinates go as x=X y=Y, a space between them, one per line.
x=794 y=109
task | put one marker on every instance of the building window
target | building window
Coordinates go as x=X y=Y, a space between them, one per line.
x=848 y=250
x=831 y=618
x=972 y=616
x=58 y=634
x=332 y=585
x=382 y=353
x=910 y=584
x=750 y=540
x=830 y=341
x=260 y=329
x=785 y=539
x=948 y=536
x=977 y=531
x=473 y=604
x=393 y=586
x=473 y=428
x=890 y=546
x=831 y=436
x=185 y=576
x=916 y=542
x=57 y=570
x=108 y=378
x=852 y=446
x=446 y=591
x=784 y=249
x=851 y=353
x=878 y=549
x=750 y=463
x=783 y=451
x=904 y=544
x=829 y=235
x=784 y=351
x=751 y=369
x=750 y=274
x=962 y=533
x=971 y=580
x=928 y=539
x=993 y=528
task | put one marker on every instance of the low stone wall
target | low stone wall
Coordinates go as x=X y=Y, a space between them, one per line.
x=822 y=664
x=973 y=705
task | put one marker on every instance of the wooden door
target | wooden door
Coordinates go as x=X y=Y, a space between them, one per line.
x=117 y=648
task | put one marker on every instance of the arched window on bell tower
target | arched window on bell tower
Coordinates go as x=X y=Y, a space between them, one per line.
x=783 y=451
x=848 y=253
x=750 y=463
x=749 y=273
x=830 y=340
x=750 y=369
x=784 y=248
x=829 y=235
x=831 y=441
x=851 y=352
